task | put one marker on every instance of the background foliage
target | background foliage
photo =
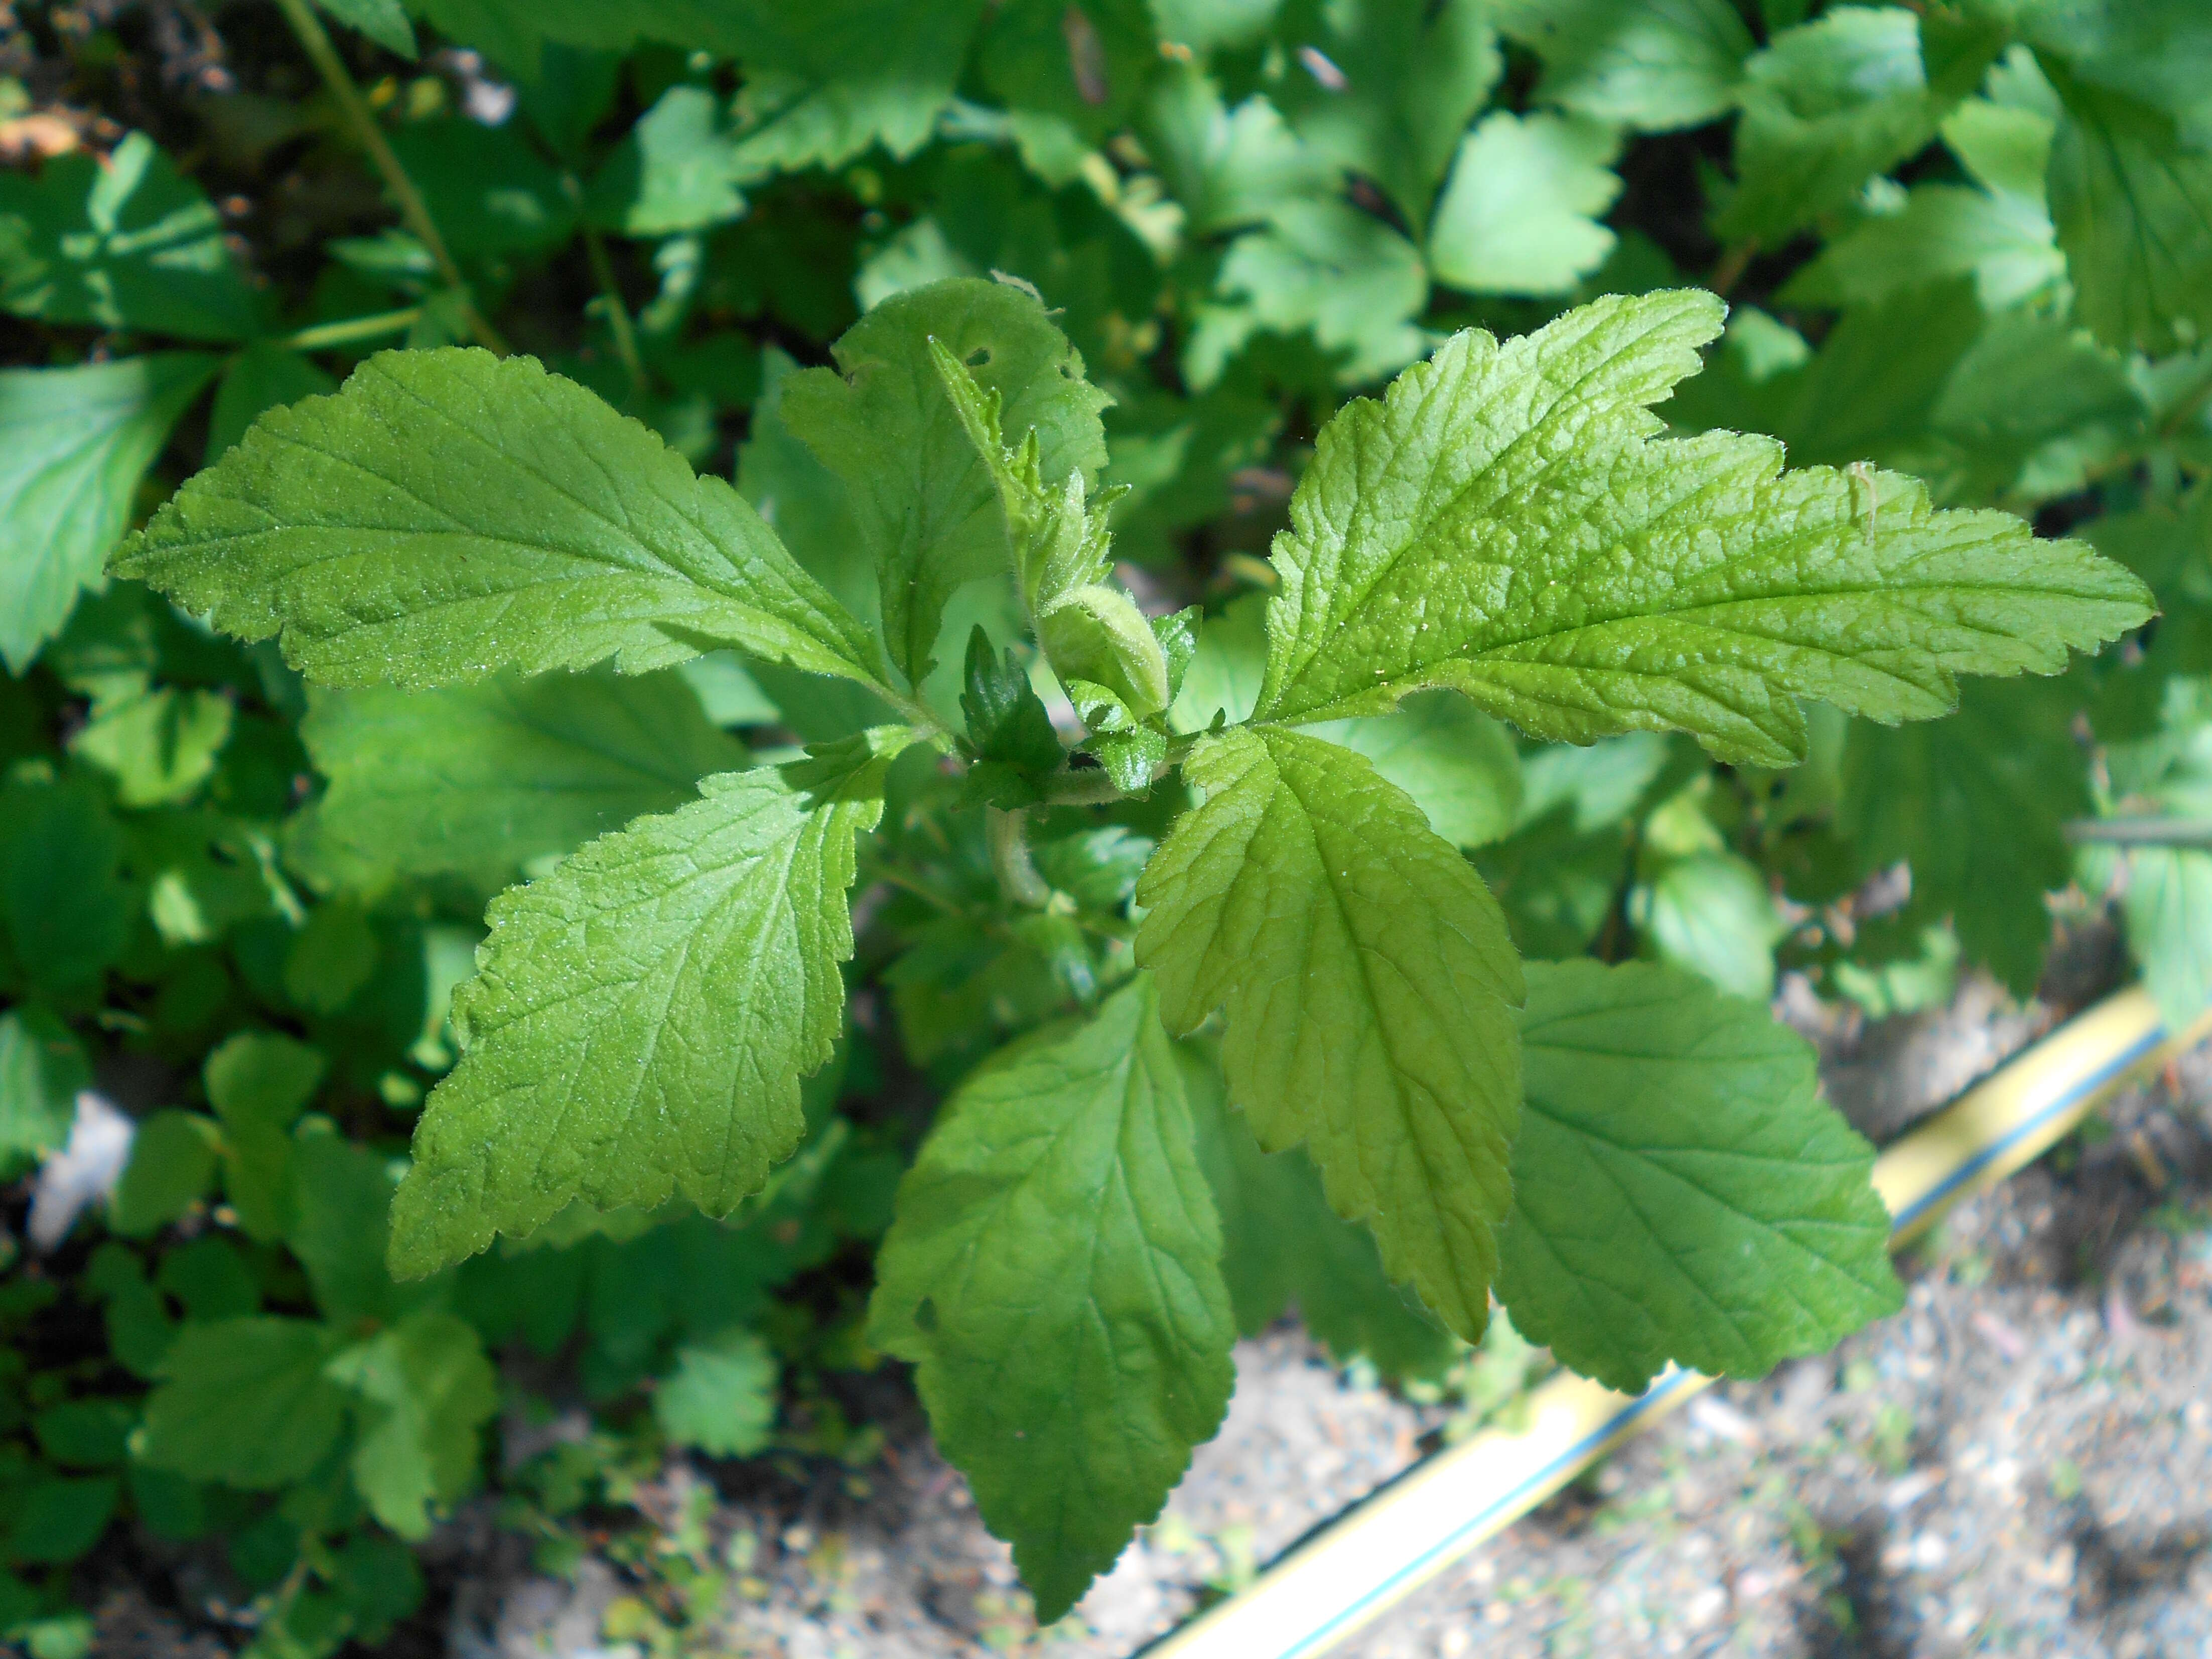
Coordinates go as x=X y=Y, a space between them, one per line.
x=1970 y=242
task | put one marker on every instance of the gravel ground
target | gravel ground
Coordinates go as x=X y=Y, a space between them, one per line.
x=2020 y=1463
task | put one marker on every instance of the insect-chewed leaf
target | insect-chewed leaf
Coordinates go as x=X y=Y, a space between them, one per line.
x=640 y=1018
x=1370 y=987
x=1054 y=1271
x=1507 y=521
x=448 y=514
x=1680 y=1191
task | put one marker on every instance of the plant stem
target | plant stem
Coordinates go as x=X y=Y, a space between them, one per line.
x=1089 y=788
x=1010 y=858
x=324 y=336
x=618 y=322
x=1729 y=271
x=2142 y=832
x=414 y=212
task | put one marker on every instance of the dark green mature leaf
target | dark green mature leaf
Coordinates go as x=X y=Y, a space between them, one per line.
x=485 y=779
x=382 y=20
x=929 y=509
x=264 y=376
x=487 y=191
x=1680 y=1191
x=1504 y=522
x=74 y=443
x=449 y=513
x=430 y=1388
x=1520 y=215
x=1280 y=1243
x=62 y=895
x=42 y=1068
x=173 y=1157
x=1978 y=805
x=1053 y=1272
x=642 y=1016
x=1650 y=65
x=193 y=1423
x=1007 y=726
x=2133 y=211
x=1370 y=989
x=122 y=243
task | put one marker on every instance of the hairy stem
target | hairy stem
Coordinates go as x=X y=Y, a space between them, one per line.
x=1010 y=858
x=2142 y=832
x=414 y=212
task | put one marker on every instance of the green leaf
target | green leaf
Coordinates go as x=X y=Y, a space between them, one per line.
x=677 y=170
x=382 y=20
x=332 y=957
x=159 y=747
x=1826 y=105
x=119 y=243
x=173 y=1157
x=1370 y=989
x=640 y=1018
x=2167 y=906
x=2006 y=243
x=263 y=377
x=62 y=896
x=74 y=443
x=430 y=1389
x=56 y=1520
x=1654 y=65
x=1052 y=1274
x=1131 y=751
x=1007 y=726
x=804 y=501
x=2133 y=211
x=1228 y=167
x=1224 y=675
x=340 y=1229
x=1505 y=523
x=926 y=499
x=1978 y=805
x=259 y=1083
x=1520 y=215
x=1460 y=767
x=449 y=513
x=1711 y=914
x=1408 y=79
x=193 y=1424
x=1680 y=1191
x=486 y=779
x=488 y=191
x=42 y=1068
x=721 y=1398
x=1322 y=266
x=1282 y=1243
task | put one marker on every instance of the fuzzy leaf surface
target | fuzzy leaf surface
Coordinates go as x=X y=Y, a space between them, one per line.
x=1054 y=1272
x=449 y=513
x=1370 y=989
x=640 y=1018
x=1680 y=1191
x=1506 y=521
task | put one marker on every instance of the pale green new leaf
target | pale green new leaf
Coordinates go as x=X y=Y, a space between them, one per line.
x=2167 y=906
x=1460 y=766
x=2006 y=243
x=449 y=513
x=193 y=1424
x=1370 y=989
x=1711 y=914
x=74 y=443
x=2133 y=205
x=427 y=1388
x=1650 y=65
x=1054 y=1273
x=483 y=779
x=640 y=1018
x=1520 y=215
x=1226 y=167
x=1506 y=522
x=721 y=1398
x=925 y=499
x=1680 y=1193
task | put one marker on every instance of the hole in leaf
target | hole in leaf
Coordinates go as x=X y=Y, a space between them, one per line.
x=978 y=357
x=925 y=1314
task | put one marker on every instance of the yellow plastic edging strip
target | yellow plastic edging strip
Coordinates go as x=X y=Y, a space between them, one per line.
x=1404 y=1535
